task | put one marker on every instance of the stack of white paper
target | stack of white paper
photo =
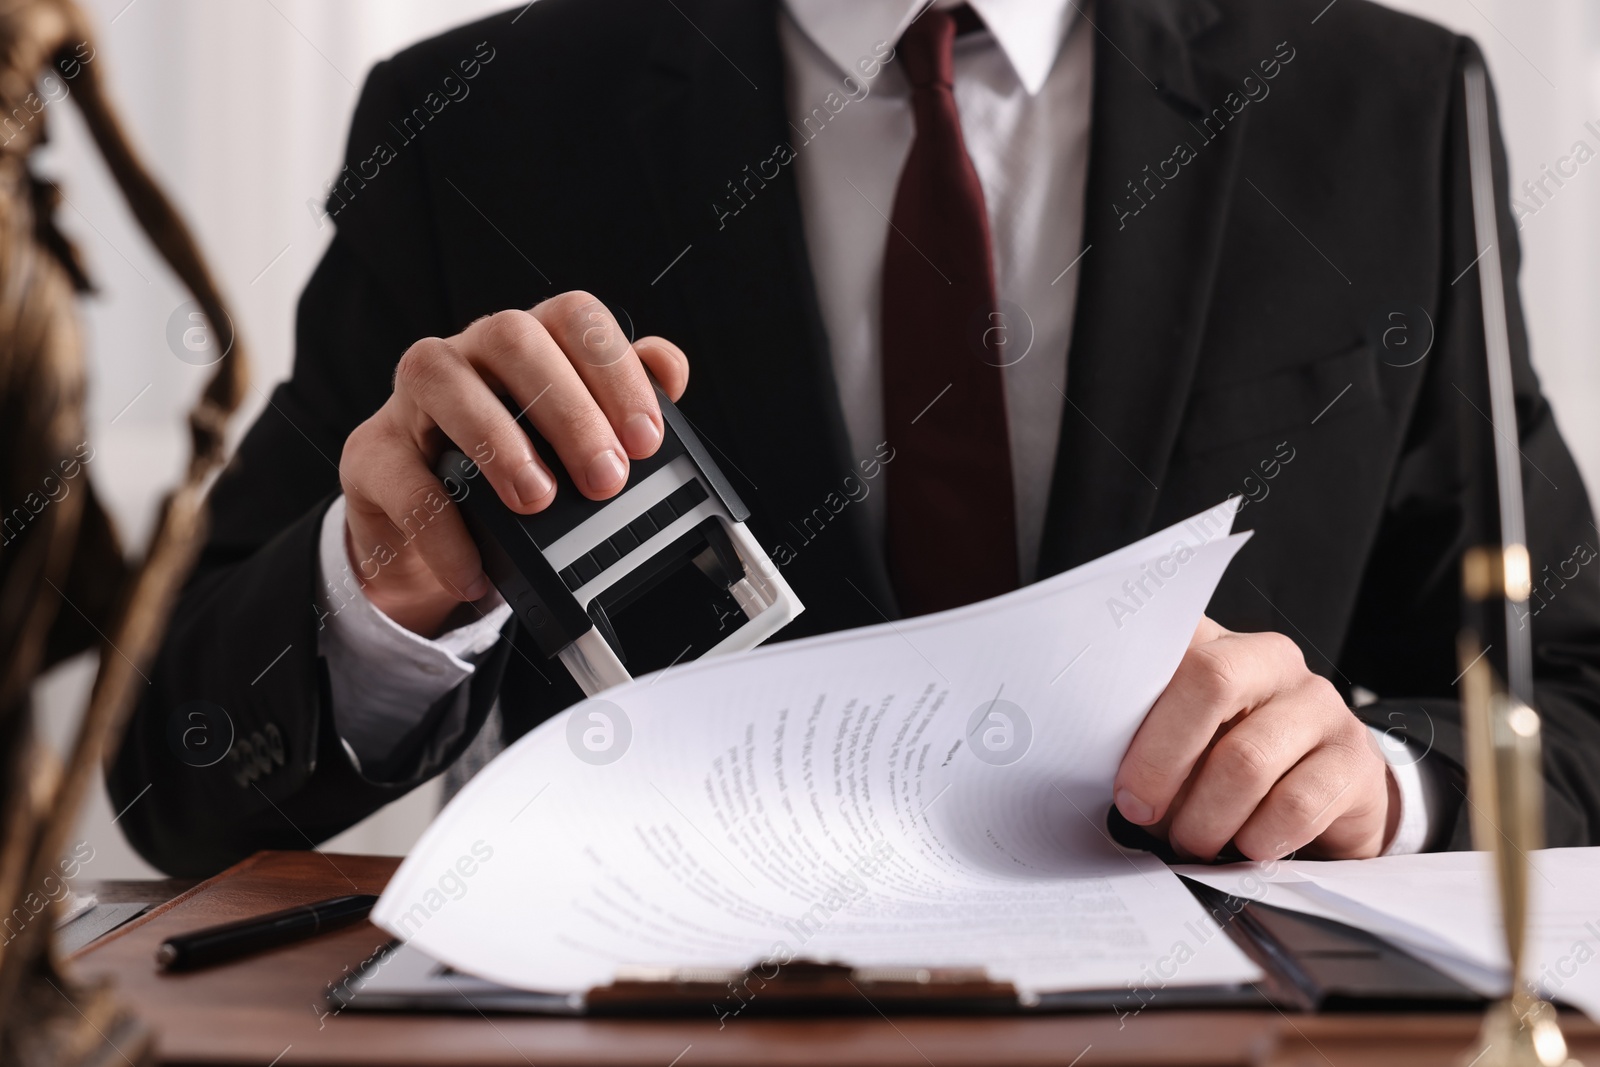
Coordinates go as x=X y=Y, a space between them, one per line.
x=925 y=793
x=1444 y=909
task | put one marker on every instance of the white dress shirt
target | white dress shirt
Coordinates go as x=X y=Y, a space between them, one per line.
x=1023 y=92
x=1023 y=89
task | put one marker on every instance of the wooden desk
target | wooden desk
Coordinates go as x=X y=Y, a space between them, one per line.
x=269 y=1010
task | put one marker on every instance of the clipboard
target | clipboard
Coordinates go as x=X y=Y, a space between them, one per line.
x=1310 y=964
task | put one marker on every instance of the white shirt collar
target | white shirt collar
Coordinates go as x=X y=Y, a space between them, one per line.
x=1029 y=32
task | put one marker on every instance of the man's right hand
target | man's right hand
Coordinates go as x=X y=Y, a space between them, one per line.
x=569 y=366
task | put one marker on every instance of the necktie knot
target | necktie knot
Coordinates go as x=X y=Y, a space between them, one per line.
x=927 y=49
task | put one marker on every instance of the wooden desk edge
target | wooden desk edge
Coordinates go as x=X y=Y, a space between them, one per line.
x=264 y=1007
x=167 y=905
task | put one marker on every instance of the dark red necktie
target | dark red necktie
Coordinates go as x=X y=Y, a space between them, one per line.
x=952 y=536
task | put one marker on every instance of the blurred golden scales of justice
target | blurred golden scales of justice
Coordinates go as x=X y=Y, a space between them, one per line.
x=1505 y=779
x=64 y=583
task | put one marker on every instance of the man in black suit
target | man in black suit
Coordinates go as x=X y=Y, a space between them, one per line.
x=1264 y=188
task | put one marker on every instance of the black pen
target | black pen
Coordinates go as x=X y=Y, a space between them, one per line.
x=217 y=944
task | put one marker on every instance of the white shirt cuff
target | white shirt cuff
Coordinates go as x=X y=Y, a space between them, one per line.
x=1419 y=792
x=383 y=677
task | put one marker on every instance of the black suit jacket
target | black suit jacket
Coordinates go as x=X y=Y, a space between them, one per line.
x=1222 y=326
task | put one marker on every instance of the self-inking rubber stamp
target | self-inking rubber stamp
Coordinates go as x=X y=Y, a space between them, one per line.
x=571 y=570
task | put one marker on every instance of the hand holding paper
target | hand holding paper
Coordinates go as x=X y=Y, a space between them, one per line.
x=1247 y=746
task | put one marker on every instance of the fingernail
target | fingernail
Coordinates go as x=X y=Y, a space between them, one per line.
x=606 y=472
x=479 y=588
x=532 y=484
x=639 y=434
x=1133 y=809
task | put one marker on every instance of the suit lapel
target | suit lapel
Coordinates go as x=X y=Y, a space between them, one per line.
x=1153 y=241
x=712 y=130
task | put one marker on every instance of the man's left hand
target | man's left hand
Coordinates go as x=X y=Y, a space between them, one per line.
x=1248 y=745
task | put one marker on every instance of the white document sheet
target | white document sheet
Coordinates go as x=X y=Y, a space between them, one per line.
x=929 y=792
x=1443 y=907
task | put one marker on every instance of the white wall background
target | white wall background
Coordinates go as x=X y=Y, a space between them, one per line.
x=241 y=107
